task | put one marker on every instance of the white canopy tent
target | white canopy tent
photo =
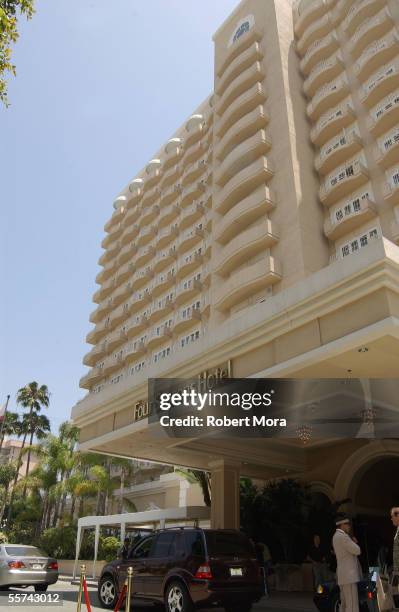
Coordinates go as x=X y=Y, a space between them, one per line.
x=150 y=519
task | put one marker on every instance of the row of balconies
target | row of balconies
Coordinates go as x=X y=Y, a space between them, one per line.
x=370 y=30
x=324 y=71
x=241 y=83
x=338 y=150
x=245 y=127
x=331 y=122
x=311 y=12
x=342 y=181
x=241 y=63
x=336 y=227
x=361 y=12
x=320 y=50
x=328 y=96
x=315 y=31
x=234 y=51
x=243 y=105
x=387 y=151
x=378 y=52
x=380 y=84
x=385 y=115
x=243 y=154
x=391 y=188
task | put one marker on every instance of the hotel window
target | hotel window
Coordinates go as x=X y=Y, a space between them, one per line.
x=190 y=338
x=162 y=354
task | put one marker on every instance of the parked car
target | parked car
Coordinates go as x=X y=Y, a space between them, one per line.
x=327 y=598
x=22 y=566
x=188 y=568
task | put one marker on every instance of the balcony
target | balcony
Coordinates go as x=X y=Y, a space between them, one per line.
x=194 y=172
x=239 y=46
x=107 y=271
x=316 y=30
x=119 y=315
x=391 y=194
x=189 y=238
x=244 y=213
x=141 y=278
x=106 y=289
x=246 y=281
x=96 y=334
x=132 y=214
x=340 y=149
x=149 y=197
x=117 y=215
x=164 y=258
x=191 y=193
x=245 y=246
x=188 y=263
x=241 y=63
x=387 y=153
x=173 y=153
x=135 y=192
x=329 y=124
x=136 y=325
x=158 y=336
x=322 y=73
x=242 y=155
x=370 y=30
x=193 y=153
x=153 y=173
x=163 y=282
x=169 y=195
x=112 y=364
x=241 y=83
x=117 y=338
x=244 y=128
x=101 y=311
x=168 y=214
x=385 y=116
x=327 y=96
x=350 y=222
x=376 y=54
x=380 y=84
x=129 y=233
x=170 y=176
x=244 y=104
x=148 y=215
x=146 y=235
x=186 y=319
x=310 y=13
x=361 y=12
x=91 y=378
x=139 y=300
x=135 y=351
x=144 y=255
x=343 y=181
x=166 y=235
x=340 y=10
x=121 y=294
x=243 y=184
x=96 y=353
x=321 y=49
x=111 y=252
x=124 y=272
x=113 y=235
x=190 y=214
x=160 y=308
x=187 y=290
x=127 y=252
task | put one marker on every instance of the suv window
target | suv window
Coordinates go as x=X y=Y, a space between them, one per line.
x=142 y=550
x=194 y=543
x=165 y=545
x=228 y=543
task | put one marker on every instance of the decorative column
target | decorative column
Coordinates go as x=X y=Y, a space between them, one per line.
x=225 y=508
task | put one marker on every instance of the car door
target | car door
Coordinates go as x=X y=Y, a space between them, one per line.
x=138 y=561
x=161 y=560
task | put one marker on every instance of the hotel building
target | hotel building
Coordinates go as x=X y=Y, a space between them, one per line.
x=261 y=240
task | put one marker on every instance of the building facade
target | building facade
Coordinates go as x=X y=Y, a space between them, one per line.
x=261 y=240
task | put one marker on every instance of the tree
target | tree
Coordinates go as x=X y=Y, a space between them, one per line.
x=8 y=35
x=11 y=426
x=34 y=398
x=201 y=478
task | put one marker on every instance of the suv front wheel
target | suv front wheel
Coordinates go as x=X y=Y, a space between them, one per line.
x=107 y=592
x=177 y=599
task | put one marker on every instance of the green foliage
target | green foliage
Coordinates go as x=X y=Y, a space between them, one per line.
x=3 y=538
x=59 y=543
x=23 y=532
x=109 y=547
x=7 y=473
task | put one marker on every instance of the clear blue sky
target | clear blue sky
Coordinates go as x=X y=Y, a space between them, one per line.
x=100 y=86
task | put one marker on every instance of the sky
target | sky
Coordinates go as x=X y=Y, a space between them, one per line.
x=100 y=86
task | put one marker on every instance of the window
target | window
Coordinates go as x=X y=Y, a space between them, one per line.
x=194 y=543
x=363 y=241
x=356 y=205
x=164 y=545
x=142 y=550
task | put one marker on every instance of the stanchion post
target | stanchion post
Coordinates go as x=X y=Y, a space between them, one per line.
x=82 y=577
x=129 y=588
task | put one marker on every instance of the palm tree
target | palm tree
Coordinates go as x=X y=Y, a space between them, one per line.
x=10 y=426
x=201 y=478
x=33 y=398
x=38 y=426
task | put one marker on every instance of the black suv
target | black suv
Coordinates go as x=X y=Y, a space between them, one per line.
x=186 y=569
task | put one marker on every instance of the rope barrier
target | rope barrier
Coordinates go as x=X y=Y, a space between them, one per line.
x=129 y=588
x=83 y=590
x=121 y=598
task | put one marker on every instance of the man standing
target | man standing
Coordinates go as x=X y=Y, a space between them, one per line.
x=348 y=568
x=395 y=522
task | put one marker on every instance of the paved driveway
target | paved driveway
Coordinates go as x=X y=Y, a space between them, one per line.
x=68 y=593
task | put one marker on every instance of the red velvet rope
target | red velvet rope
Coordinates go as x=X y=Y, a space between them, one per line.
x=86 y=593
x=120 y=598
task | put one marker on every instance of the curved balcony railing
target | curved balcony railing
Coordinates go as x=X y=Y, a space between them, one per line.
x=316 y=30
x=337 y=227
x=328 y=96
x=338 y=150
x=369 y=31
x=377 y=53
x=127 y=252
x=194 y=171
x=360 y=12
x=166 y=235
x=387 y=152
x=146 y=234
x=135 y=325
x=322 y=73
x=244 y=128
x=385 y=115
x=129 y=233
x=167 y=214
x=241 y=83
x=164 y=258
x=320 y=50
x=187 y=290
x=380 y=84
x=391 y=191
x=246 y=152
x=148 y=215
x=342 y=181
x=96 y=353
x=144 y=255
x=236 y=49
x=331 y=122
x=106 y=289
x=163 y=281
x=170 y=176
x=311 y=12
x=240 y=64
x=243 y=105
x=190 y=214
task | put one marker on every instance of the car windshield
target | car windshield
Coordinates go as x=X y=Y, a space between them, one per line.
x=228 y=543
x=25 y=551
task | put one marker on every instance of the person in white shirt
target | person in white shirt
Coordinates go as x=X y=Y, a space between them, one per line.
x=347 y=552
